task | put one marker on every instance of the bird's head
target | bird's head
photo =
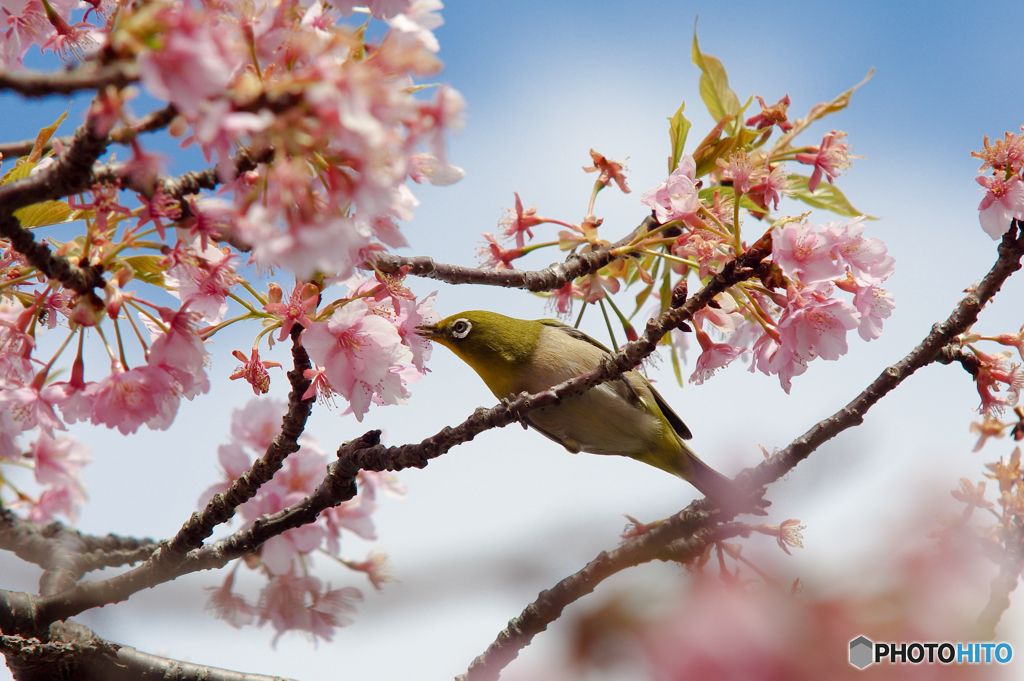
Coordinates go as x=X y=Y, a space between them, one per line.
x=492 y=344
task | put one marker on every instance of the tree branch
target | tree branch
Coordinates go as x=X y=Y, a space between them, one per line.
x=151 y=122
x=72 y=650
x=87 y=77
x=167 y=560
x=69 y=174
x=554 y=276
x=550 y=603
x=1003 y=584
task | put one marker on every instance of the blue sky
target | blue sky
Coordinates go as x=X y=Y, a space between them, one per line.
x=510 y=513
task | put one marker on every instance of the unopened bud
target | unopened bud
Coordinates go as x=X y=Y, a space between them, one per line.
x=87 y=310
x=678 y=294
x=274 y=293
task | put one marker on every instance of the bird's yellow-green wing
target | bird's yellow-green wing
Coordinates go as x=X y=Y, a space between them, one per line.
x=670 y=416
x=621 y=386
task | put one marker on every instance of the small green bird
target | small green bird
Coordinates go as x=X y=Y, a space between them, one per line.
x=625 y=416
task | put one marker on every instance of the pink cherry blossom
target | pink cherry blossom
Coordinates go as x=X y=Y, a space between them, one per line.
x=419 y=21
x=56 y=501
x=771 y=358
x=805 y=252
x=518 y=222
x=211 y=220
x=742 y=170
x=561 y=299
x=227 y=605
x=278 y=553
x=815 y=325
x=70 y=396
x=180 y=351
x=713 y=356
x=257 y=423
x=371 y=481
x=868 y=260
x=676 y=198
x=9 y=447
x=319 y=387
x=355 y=515
x=25 y=408
x=127 y=399
x=1003 y=201
x=410 y=315
x=427 y=168
x=497 y=257
x=325 y=244
x=874 y=304
x=776 y=114
x=995 y=372
x=195 y=61
x=702 y=246
x=253 y=370
x=358 y=351
x=609 y=171
x=233 y=461
x=774 y=186
x=292 y=603
x=57 y=461
x=376 y=568
x=829 y=159
x=301 y=301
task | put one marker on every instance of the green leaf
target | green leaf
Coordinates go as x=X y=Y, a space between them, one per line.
x=20 y=171
x=666 y=289
x=676 y=369
x=146 y=268
x=678 y=128
x=641 y=298
x=826 y=197
x=44 y=136
x=46 y=213
x=821 y=110
x=714 y=85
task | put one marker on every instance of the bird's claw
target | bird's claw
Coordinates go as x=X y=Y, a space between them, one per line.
x=508 y=402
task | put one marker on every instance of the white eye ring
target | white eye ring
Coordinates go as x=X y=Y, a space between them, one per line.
x=461 y=328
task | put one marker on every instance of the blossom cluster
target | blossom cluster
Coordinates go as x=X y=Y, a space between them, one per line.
x=791 y=314
x=292 y=599
x=367 y=350
x=1003 y=187
x=350 y=106
x=339 y=126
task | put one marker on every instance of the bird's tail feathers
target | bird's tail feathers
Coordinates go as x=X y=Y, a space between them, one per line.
x=710 y=482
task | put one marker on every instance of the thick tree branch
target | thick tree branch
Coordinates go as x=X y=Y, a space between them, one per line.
x=69 y=174
x=74 y=651
x=87 y=77
x=692 y=525
x=130 y=664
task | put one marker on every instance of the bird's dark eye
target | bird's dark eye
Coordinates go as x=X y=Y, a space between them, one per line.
x=461 y=328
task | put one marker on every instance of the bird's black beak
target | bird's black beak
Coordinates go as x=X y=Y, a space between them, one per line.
x=427 y=331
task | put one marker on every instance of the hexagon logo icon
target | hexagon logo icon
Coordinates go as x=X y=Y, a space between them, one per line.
x=861 y=652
